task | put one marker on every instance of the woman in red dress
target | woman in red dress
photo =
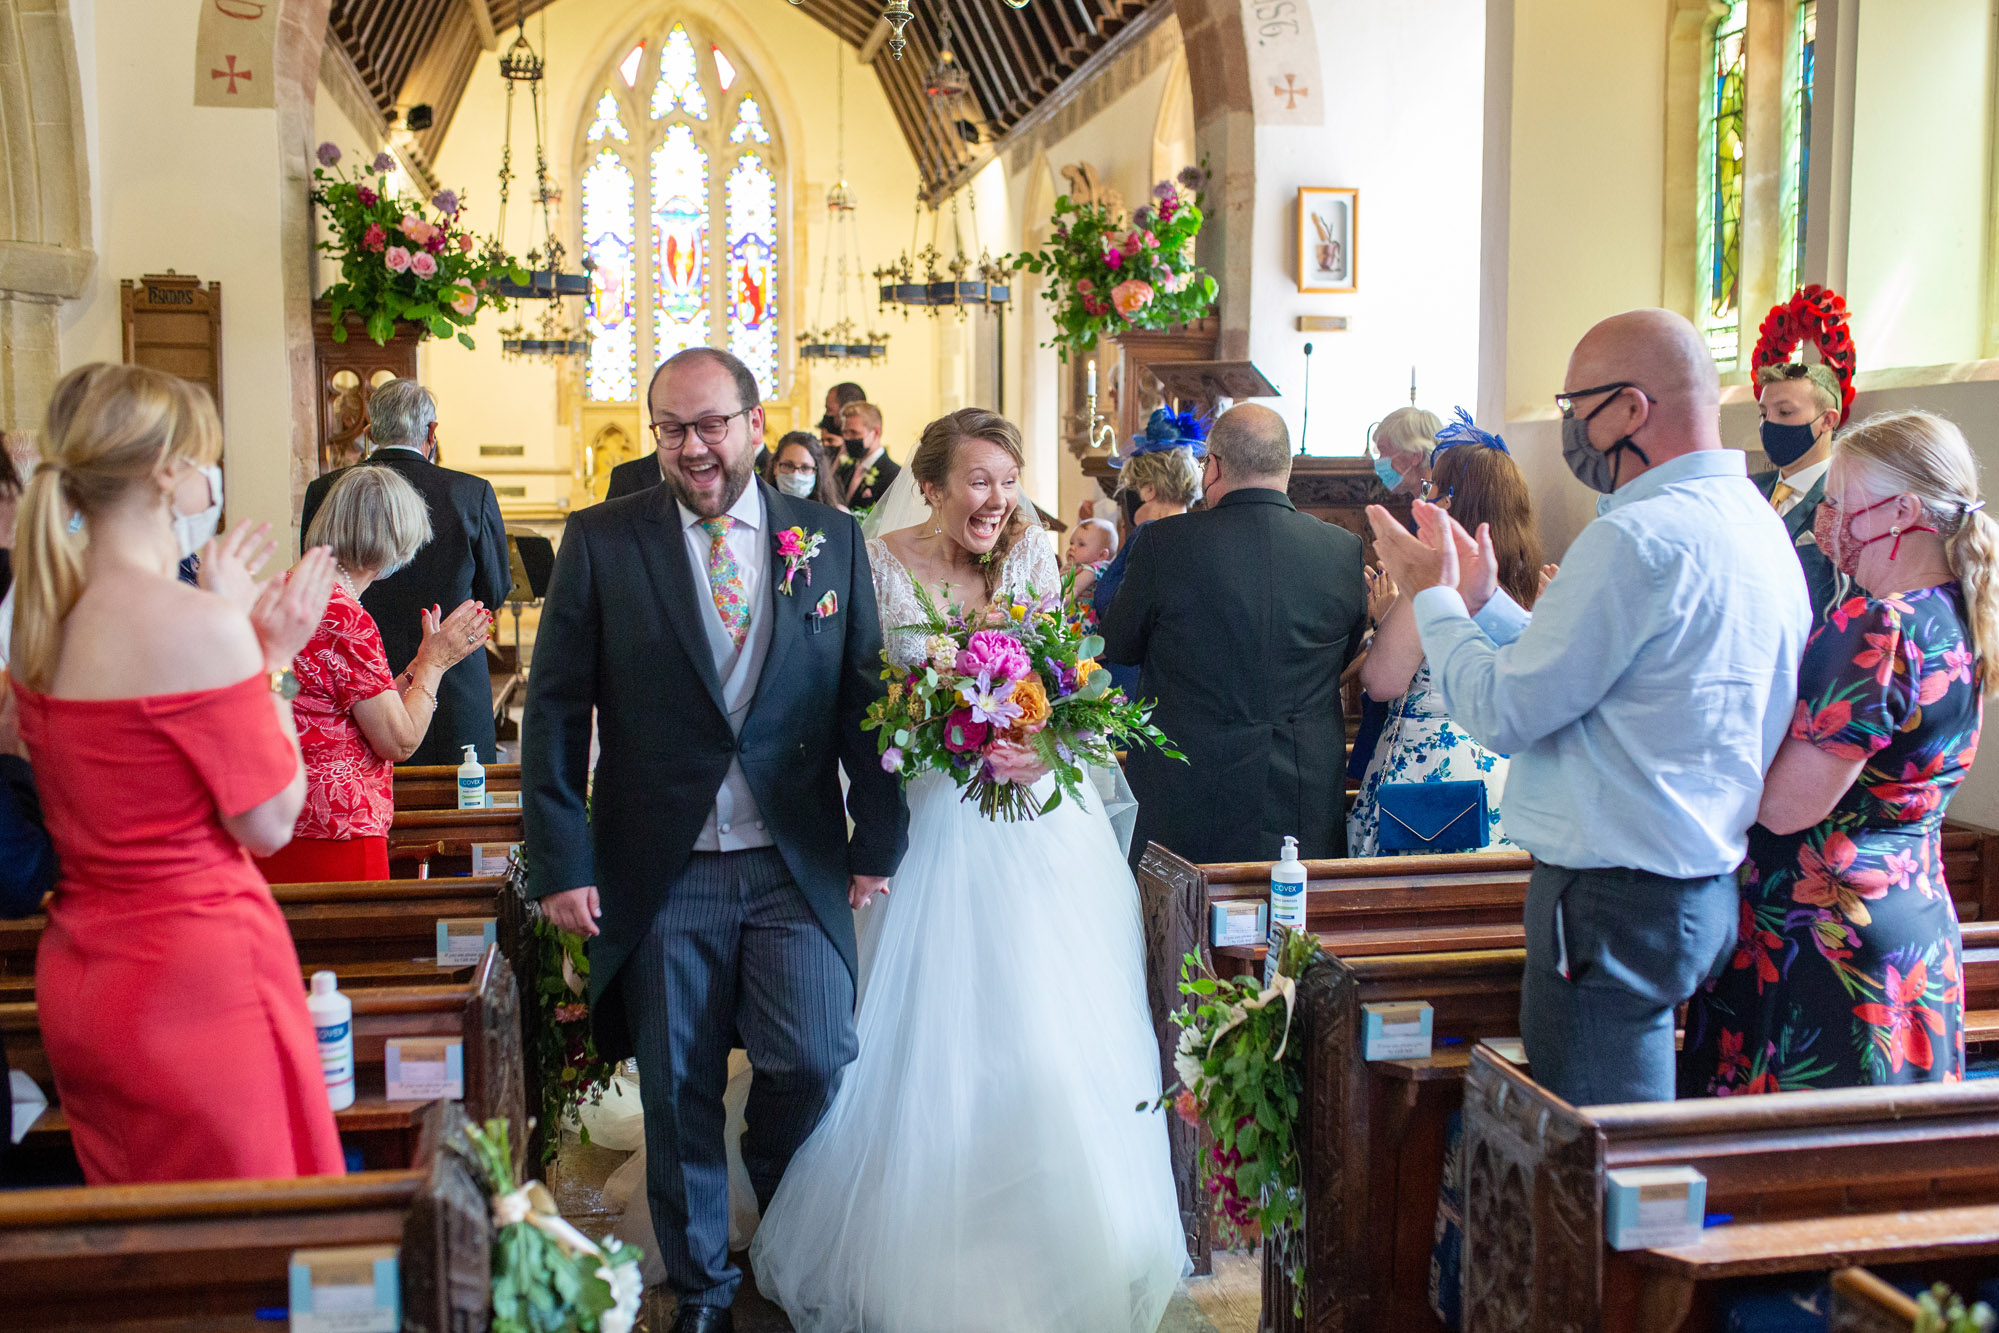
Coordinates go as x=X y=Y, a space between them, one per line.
x=355 y=720
x=168 y=990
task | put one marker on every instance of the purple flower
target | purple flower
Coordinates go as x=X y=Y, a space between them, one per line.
x=892 y=760
x=329 y=153
x=994 y=654
x=445 y=202
x=384 y=162
x=1194 y=179
x=987 y=701
x=1163 y=191
x=1143 y=219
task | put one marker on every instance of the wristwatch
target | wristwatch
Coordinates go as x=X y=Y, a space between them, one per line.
x=284 y=684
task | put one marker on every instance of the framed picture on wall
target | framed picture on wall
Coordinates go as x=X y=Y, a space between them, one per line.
x=1326 y=238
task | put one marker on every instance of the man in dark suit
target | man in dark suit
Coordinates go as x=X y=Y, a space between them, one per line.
x=866 y=473
x=466 y=556
x=1241 y=617
x=711 y=862
x=1800 y=408
x=634 y=475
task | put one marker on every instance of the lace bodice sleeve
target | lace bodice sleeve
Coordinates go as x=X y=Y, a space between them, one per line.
x=1030 y=566
x=895 y=599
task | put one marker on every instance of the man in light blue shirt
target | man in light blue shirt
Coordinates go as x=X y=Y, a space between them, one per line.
x=1641 y=703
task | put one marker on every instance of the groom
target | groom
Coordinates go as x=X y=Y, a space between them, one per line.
x=710 y=861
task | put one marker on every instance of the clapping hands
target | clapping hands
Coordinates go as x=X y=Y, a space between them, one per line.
x=1439 y=554
x=230 y=563
x=289 y=608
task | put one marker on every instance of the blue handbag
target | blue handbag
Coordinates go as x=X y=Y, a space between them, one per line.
x=1431 y=817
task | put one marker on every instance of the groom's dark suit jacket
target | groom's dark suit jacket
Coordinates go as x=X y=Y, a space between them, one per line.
x=1822 y=581
x=1241 y=618
x=621 y=632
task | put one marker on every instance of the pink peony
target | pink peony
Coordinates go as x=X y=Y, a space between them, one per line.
x=993 y=653
x=465 y=242
x=397 y=259
x=374 y=238
x=465 y=302
x=1188 y=1106
x=1131 y=295
x=1085 y=285
x=417 y=229
x=423 y=264
x=962 y=735
x=1010 y=761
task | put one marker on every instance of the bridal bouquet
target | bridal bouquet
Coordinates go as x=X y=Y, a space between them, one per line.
x=1004 y=699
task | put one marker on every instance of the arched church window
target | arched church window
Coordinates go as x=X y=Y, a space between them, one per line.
x=1723 y=106
x=1799 y=68
x=683 y=178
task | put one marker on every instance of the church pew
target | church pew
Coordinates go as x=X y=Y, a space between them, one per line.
x=369 y=932
x=1863 y=1303
x=423 y=841
x=1812 y=1181
x=1971 y=869
x=210 y=1254
x=484 y=1013
x=435 y=786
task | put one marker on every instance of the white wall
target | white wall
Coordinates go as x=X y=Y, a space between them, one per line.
x=196 y=190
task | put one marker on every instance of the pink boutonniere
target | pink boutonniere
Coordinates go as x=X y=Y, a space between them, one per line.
x=797 y=547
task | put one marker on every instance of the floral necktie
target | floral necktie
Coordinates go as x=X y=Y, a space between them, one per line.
x=725 y=580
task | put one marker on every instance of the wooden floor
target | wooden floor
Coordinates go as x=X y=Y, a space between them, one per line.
x=1224 y=1303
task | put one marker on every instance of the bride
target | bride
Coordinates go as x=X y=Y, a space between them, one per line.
x=983 y=1168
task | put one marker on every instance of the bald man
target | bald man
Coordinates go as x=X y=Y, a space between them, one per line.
x=1241 y=617
x=1641 y=704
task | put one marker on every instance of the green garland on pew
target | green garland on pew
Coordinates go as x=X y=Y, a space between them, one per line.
x=547 y=1276
x=572 y=1073
x=1242 y=1081
x=1941 y=1310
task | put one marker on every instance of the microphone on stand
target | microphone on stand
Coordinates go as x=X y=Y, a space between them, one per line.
x=1305 y=421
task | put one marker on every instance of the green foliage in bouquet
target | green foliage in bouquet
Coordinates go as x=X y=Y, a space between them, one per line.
x=1004 y=698
x=563 y=1052
x=1108 y=274
x=398 y=262
x=547 y=1276
x=1242 y=1082
x=1941 y=1310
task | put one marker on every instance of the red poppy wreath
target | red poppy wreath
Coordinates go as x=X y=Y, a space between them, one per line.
x=1817 y=315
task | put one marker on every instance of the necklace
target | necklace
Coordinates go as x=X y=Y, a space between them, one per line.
x=345 y=580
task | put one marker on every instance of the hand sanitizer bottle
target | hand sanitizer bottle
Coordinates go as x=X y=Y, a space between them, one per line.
x=333 y=1023
x=1287 y=889
x=471 y=781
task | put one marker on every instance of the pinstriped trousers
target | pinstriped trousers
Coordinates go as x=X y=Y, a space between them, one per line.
x=735 y=951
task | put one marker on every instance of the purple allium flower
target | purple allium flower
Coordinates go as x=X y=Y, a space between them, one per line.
x=1163 y=191
x=1144 y=218
x=329 y=153
x=384 y=162
x=1194 y=179
x=445 y=202
x=995 y=654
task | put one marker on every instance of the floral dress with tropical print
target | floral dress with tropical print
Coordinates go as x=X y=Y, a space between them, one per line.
x=1846 y=971
x=1420 y=743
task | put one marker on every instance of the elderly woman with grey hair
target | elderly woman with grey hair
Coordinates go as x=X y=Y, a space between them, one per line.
x=354 y=719
x=1403 y=442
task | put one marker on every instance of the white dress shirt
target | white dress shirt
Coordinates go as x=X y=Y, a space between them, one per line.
x=735 y=824
x=1644 y=699
x=1800 y=483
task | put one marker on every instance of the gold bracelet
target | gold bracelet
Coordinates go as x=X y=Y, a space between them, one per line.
x=416 y=684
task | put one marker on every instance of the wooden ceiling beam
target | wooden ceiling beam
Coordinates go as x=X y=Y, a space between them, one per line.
x=978 y=54
x=1019 y=70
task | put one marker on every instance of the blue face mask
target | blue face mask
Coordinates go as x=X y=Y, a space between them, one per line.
x=1389 y=476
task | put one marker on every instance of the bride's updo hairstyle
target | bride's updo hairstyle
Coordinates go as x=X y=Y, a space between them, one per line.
x=938 y=450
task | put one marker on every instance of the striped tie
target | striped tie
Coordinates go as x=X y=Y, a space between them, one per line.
x=725 y=580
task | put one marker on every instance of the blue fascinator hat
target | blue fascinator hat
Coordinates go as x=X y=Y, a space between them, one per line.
x=1462 y=431
x=1166 y=429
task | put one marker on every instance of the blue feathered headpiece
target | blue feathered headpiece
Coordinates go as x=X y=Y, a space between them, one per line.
x=1462 y=431
x=1167 y=429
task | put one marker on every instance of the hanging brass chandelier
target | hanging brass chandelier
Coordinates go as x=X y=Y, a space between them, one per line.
x=896 y=14
x=987 y=288
x=555 y=334
x=840 y=339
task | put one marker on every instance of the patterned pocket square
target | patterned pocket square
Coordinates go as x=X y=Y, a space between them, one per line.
x=828 y=605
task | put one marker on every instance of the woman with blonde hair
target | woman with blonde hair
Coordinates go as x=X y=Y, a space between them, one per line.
x=1404 y=443
x=158 y=719
x=355 y=719
x=1847 y=968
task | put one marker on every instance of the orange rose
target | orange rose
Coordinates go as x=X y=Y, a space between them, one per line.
x=1032 y=697
x=1086 y=668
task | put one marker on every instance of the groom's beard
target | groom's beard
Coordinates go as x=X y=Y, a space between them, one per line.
x=735 y=480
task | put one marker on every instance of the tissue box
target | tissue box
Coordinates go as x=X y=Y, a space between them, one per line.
x=425 y=1069
x=1242 y=922
x=357 y=1289
x=1653 y=1207
x=492 y=858
x=1396 y=1030
x=462 y=941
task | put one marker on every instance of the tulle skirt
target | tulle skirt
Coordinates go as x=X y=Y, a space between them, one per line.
x=983 y=1168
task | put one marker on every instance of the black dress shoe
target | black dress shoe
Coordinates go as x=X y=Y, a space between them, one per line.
x=703 y=1319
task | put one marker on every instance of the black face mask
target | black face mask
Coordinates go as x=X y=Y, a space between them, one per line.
x=856 y=449
x=1785 y=445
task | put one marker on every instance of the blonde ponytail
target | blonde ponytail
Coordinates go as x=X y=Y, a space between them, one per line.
x=1973 y=551
x=110 y=428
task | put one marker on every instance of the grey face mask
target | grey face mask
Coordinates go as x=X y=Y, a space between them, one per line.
x=1593 y=467
x=798 y=484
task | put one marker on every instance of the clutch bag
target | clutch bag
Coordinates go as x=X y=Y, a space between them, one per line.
x=1431 y=817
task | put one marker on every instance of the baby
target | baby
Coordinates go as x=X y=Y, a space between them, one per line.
x=1092 y=543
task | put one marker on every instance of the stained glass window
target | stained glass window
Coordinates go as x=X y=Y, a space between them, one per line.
x=680 y=243
x=1800 y=66
x=607 y=121
x=749 y=123
x=680 y=212
x=1721 y=185
x=679 y=78
x=752 y=206
x=608 y=221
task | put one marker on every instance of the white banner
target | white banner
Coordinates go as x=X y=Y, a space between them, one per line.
x=233 y=51
x=1283 y=62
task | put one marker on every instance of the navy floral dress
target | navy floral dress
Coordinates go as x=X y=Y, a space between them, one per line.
x=1420 y=743
x=1846 y=970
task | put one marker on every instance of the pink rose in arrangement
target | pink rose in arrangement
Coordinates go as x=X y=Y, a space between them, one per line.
x=791 y=543
x=962 y=735
x=373 y=239
x=1175 y=283
x=1113 y=259
x=397 y=259
x=465 y=243
x=1188 y=1106
x=571 y=1013
x=995 y=654
x=423 y=264
x=465 y=302
x=1085 y=285
x=417 y=229
x=1141 y=240
x=1131 y=295
x=1013 y=762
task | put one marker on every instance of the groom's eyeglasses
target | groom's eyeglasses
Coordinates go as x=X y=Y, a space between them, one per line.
x=712 y=430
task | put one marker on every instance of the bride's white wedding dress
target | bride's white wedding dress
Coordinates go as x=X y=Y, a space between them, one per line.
x=983 y=1168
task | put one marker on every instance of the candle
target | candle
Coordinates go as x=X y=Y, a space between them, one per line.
x=1091 y=392
x=1412 y=384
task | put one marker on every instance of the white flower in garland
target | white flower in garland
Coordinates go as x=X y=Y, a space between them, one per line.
x=627 y=1289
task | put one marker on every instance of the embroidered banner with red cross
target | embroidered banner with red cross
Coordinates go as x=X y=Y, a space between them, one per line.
x=232 y=53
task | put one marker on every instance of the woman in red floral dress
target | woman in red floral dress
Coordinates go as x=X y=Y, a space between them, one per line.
x=1847 y=970
x=354 y=719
